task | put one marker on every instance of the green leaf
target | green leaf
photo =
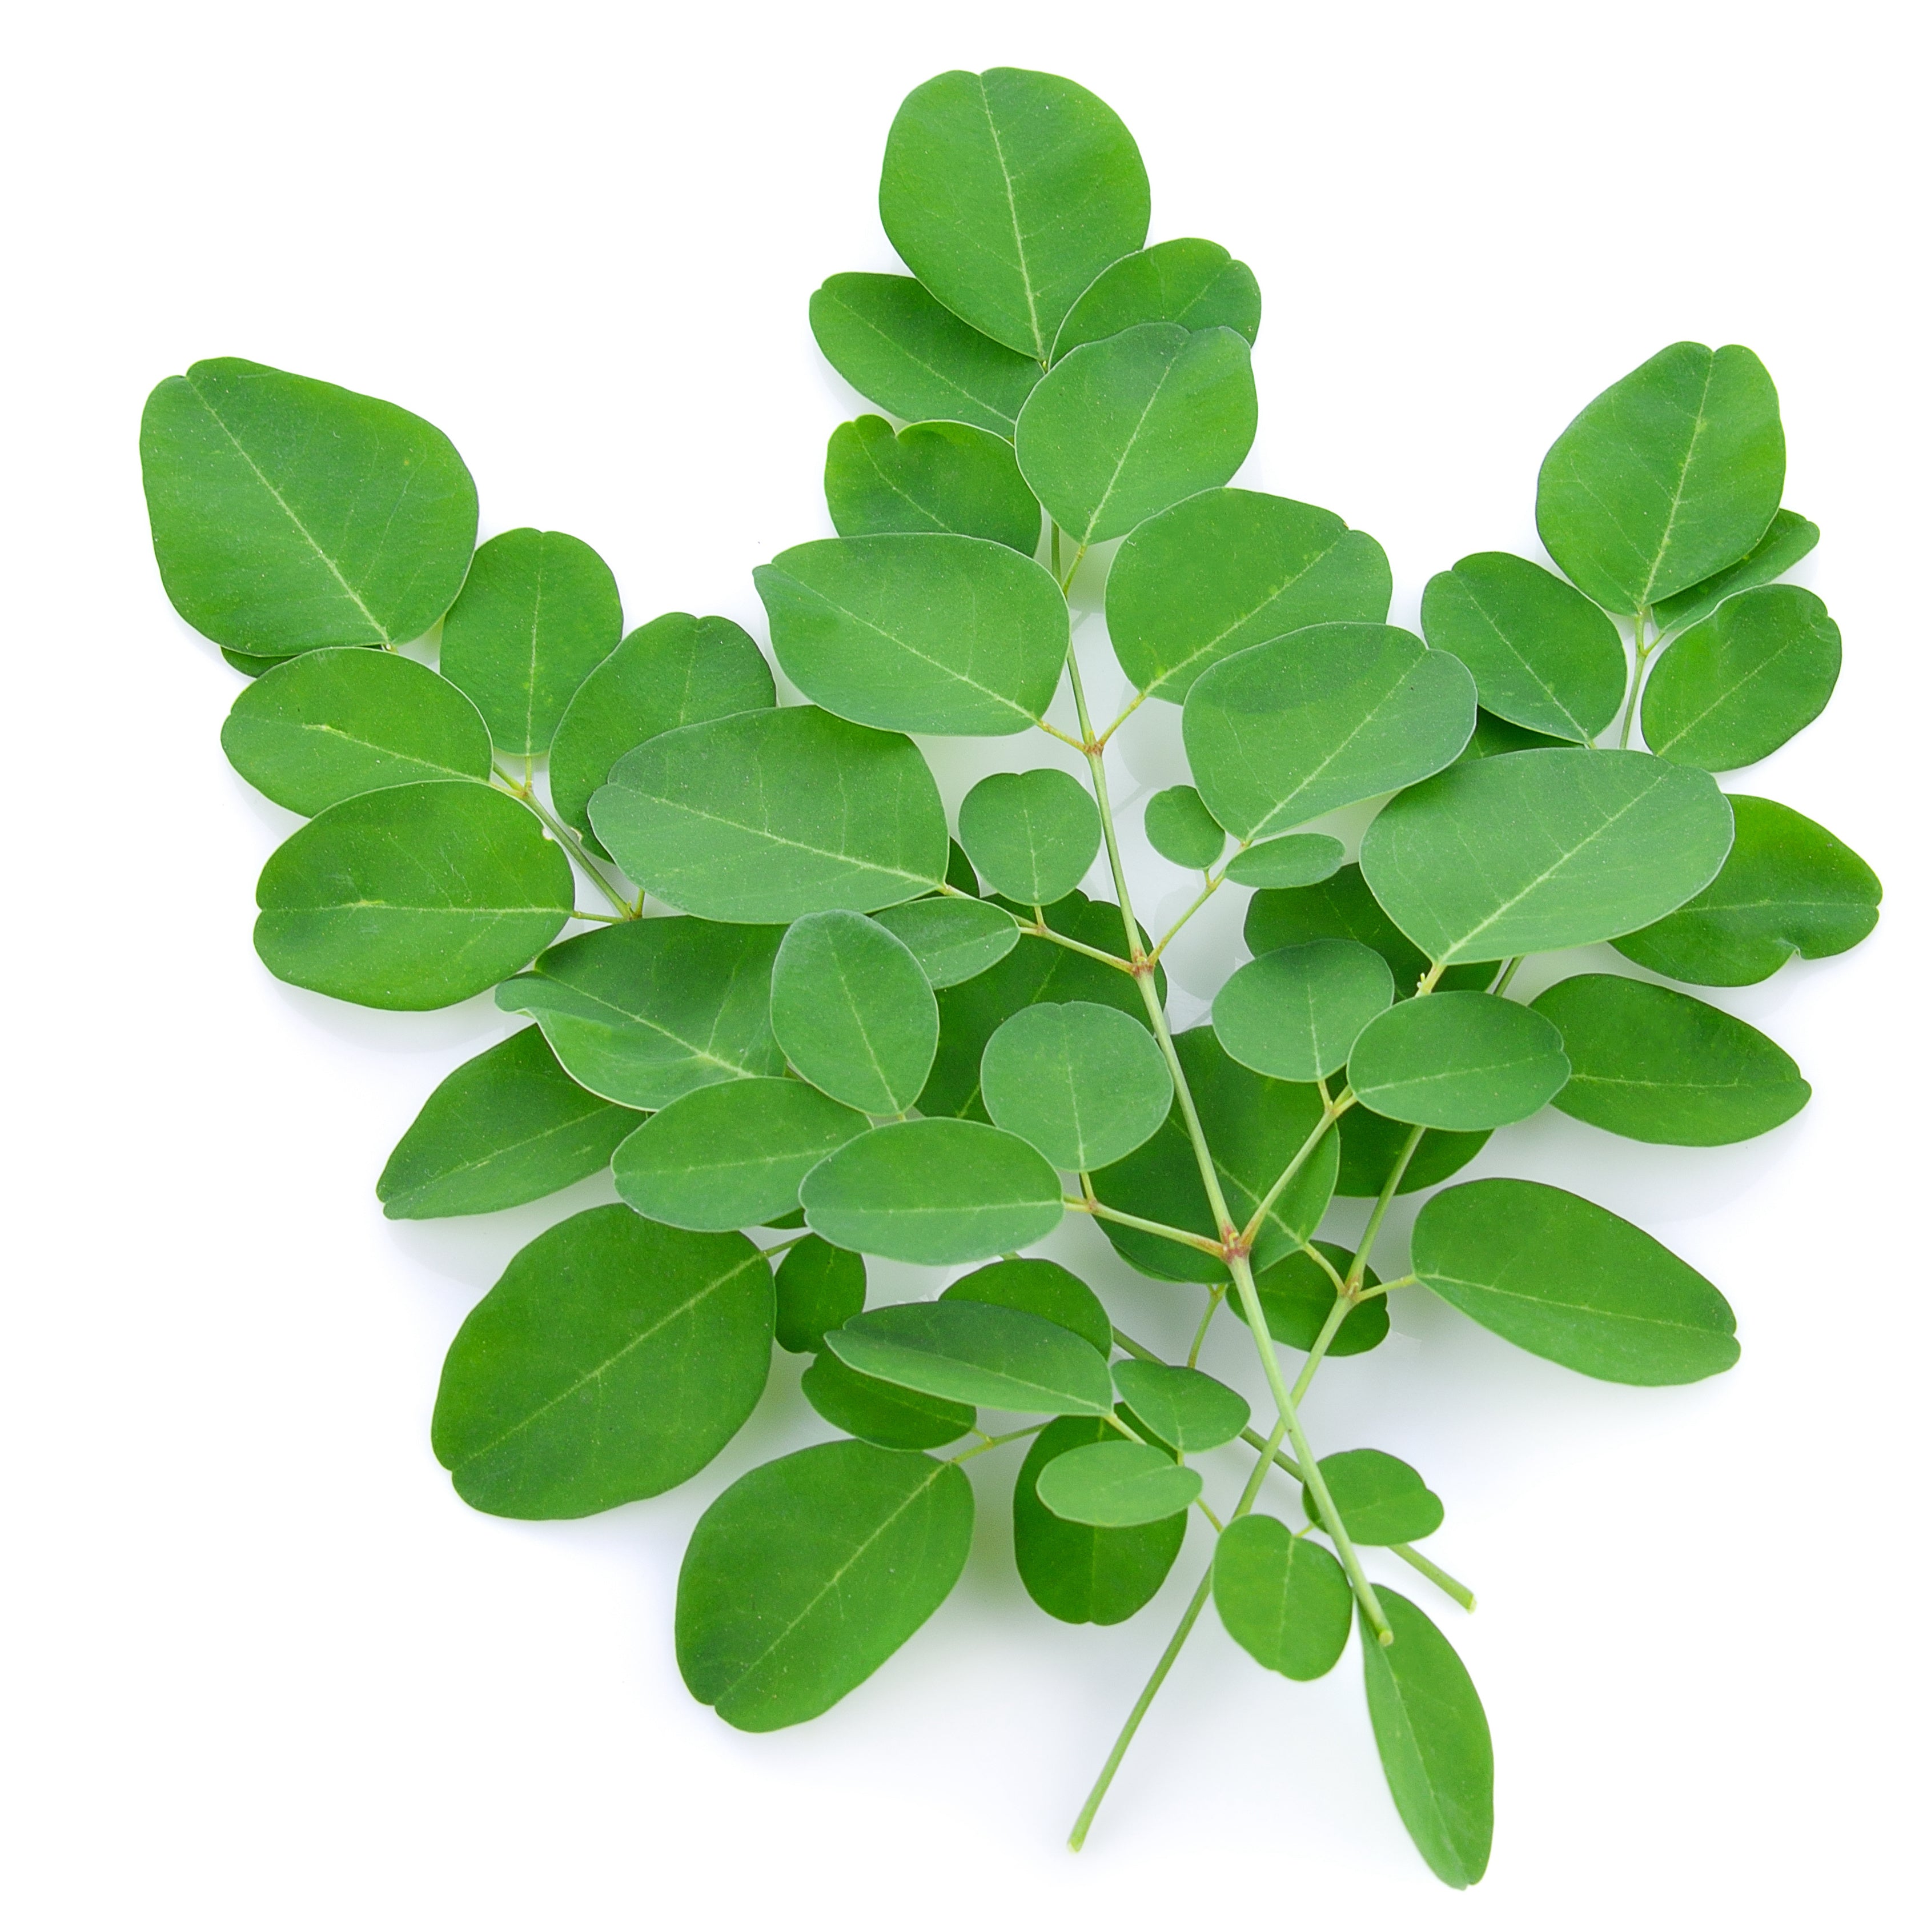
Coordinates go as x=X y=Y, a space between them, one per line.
x=1180 y=827
x=333 y=723
x=730 y=1155
x=819 y=1287
x=1254 y=1126
x=1084 y=1083
x=1031 y=835
x=805 y=1575
x=1789 y=888
x=1542 y=654
x=979 y=1352
x=415 y=897
x=1537 y=851
x=1566 y=1279
x=1006 y=193
x=947 y=478
x=288 y=513
x=1284 y=731
x=538 y=613
x=1074 y=1572
x=1197 y=284
x=1295 y=859
x=941 y=634
x=880 y=1412
x=891 y=341
x=1296 y=1013
x=853 y=1011
x=508 y=1127
x=1493 y=736
x=934 y=1192
x=1043 y=1288
x=1433 y=1742
x=1228 y=569
x=1297 y=1297
x=1340 y=907
x=1462 y=1061
x=1181 y=1406
x=1657 y=1065
x=651 y=1009
x=252 y=666
x=772 y=814
x=1381 y=1499
x=1284 y=1599
x=1789 y=539
x=1117 y=1485
x=675 y=669
x=1745 y=680
x=614 y=1359
x=1669 y=475
x=1123 y=429
x=1371 y=1143
x=953 y=939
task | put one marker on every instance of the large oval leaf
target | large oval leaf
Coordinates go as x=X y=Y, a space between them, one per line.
x=415 y=897
x=1006 y=193
x=1031 y=835
x=614 y=1359
x=1564 y=1279
x=1195 y=283
x=930 y=478
x=1296 y=1014
x=854 y=1011
x=1460 y=1061
x=1536 y=850
x=979 y=1352
x=1284 y=1599
x=771 y=815
x=1084 y=1083
x=1117 y=1485
x=805 y=1575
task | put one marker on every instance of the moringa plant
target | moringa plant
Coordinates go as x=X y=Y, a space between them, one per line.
x=807 y=1003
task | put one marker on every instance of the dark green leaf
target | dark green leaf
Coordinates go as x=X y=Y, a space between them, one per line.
x=1340 y=907
x=412 y=897
x=853 y=1011
x=1284 y=731
x=1180 y=827
x=953 y=939
x=1658 y=1065
x=333 y=723
x=819 y=1287
x=978 y=1351
x=1043 y=1288
x=1182 y=1407
x=1117 y=1485
x=1284 y=1599
x=805 y=1575
x=614 y=1359
x=1295 y=859
x=1370 y=1144
x=1295 y=1014
x=1789 y=539
x=942 y=477
x=1197 y=284
x=508 y=1127
x=1084 y=1083
x=881 y=1412
x=1461 y=1061
x=249 y=665
x=1297 y=1297
x=1381 y=1499
x=1493 y=736
x=1564 y=1279
x=289 y=514
x=1031 y=835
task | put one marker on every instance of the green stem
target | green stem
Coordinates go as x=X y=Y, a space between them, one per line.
x=1645 y=645
x=1214 y=1299
x=1329 y=1114
x=1100 y=1209
x=568 y=840
x=597 y=918
x=1214 y=882
x=1507 y=973
x=1358 y=1266
x=996 y=1442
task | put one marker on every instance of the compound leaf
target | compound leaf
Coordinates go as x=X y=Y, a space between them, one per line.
x=943 y=477
x=1284 y=1599
x=1117 y=1485
x=1461 y=1061
x=1084 y=1083
x=1031 y=835
x=853 y=1011
x=981 y=1352
x=1197 y=284
x=1295 y=1014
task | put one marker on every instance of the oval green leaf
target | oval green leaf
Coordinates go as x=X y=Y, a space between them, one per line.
x=1789 y=539
x=819 y=1287
x=1340 y=907
x=1197 y=284
x=1043 y=1288
x=978 y=1352
x=881 y=1412
x=1180 y=827
x=1295 y=859
x=1031 y=835
x=1297 y=1297
x=1284 y=1599
x=1493 y=736
x=947 y=479
x=1461 y=1061
x=953 y=939
x=1183 y=1408
x=1117 y=1485
x=1370 y=1144
x=1296 y=1014
x=853 y=1011
x=1381 y=1499
x=1084 y=1083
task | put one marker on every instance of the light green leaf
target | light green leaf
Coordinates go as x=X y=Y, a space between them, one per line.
x=1370 y=1144
x=675 y=669
x=1084 y=1083
x=819 y=1287
x=1197 y=284
x=1043 y=1288
x=1284 y=731
x=1669 y=475
x=881 y=1412
x=1658 y=1065
x=948 y=635
x=1006 y=193
x=653 y=1009
x=1746 y=679
x=805 y=1575
x=288 y=513
x=771 y=815
x=1536 y=850
x=1190 y=1410
x=1117 y=1485
x=333 y=723
x=1789 y=539
x=853 y=1011
x=891 y=341
x=1296 y=1013
x=538 y=613
x=1180 y=827
x=412 y=897
x=1284 y=1599
x=1228 y=569
x=1031 y=835
x=1297 y=1296
x=730 y=1155
x=1123 y=429
x=1541 y=654
x=953 y=939
x=1564 y=1279
x=934 y=1192
x=1461 y=1061
x=1789 y=888
x=614 y=1359
x=508 y=1127
x=933 y=477
x=1381 y=1499
x=1295 y=859
x=1433 y=1742
x=978 y=1352
x=1340 y=907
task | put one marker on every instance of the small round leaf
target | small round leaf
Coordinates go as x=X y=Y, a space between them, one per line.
x=1284 y=1599
x=853 y=1011
x=1115 y=1485
x=819 y=1287
x=1032 y=834
x=1296 y=1014
x=1463 y=1061
x=1186 y=1409
x=1084 y=1083
x=1180 y=827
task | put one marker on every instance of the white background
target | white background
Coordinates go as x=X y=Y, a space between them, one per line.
x=263 y=1669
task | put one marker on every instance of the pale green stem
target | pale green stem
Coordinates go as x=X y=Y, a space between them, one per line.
x=1215 y=1297
x=1329 y=1114
x=1214 y=882
x=1100 y=1209
x=1645 y=645
x=568 y=840
x=598 y=918
x=1358 y=1266
x=1508 y=973
x=996 y=1441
